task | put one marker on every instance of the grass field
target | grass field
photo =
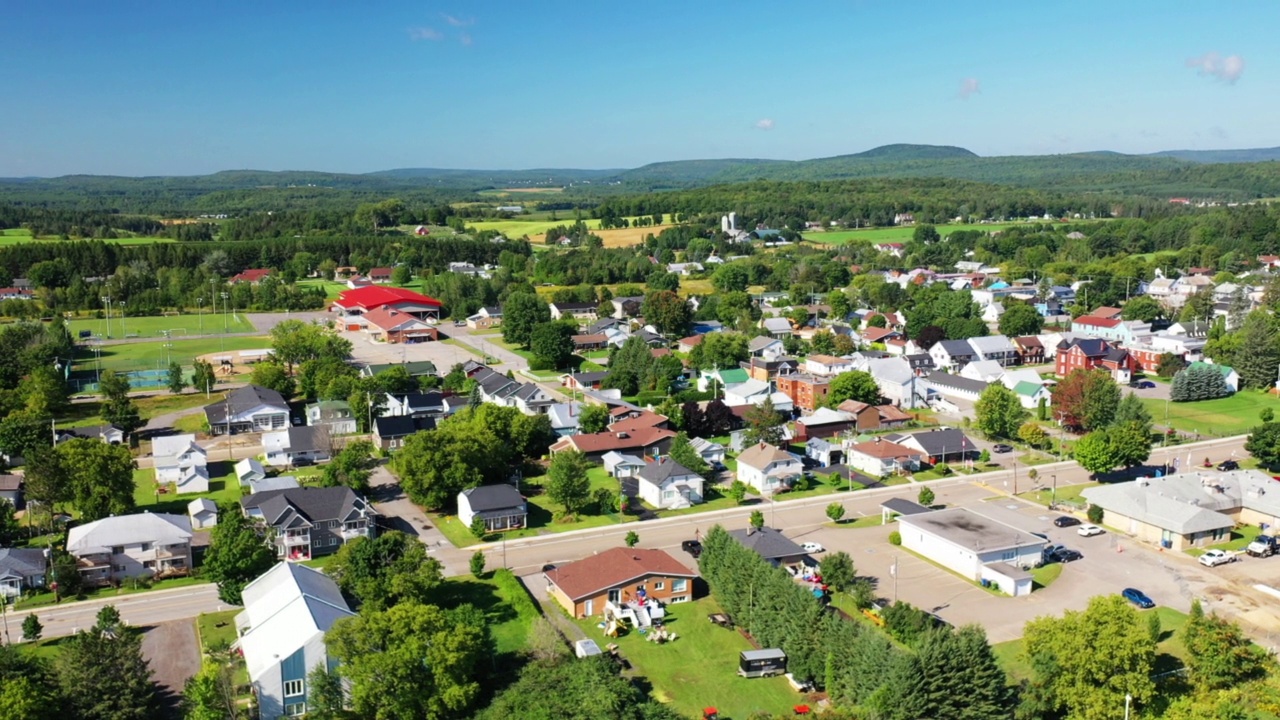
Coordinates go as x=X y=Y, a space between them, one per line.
x=893 y=234
x=138 y=355
x=699 y=669
x=535 y=229
x=17 y=236
x=1234 y=415
x=151 y=326
x=626 y=237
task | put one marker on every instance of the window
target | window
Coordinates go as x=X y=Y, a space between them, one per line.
x=293 y=688
x=145 y=547
x=118 y=549
x=679 y=585
x=149 y=564
x=1008 y=555
x=295 y=709
x=660 y=585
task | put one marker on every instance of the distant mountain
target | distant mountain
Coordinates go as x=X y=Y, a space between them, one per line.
x=549 y=177
x=1223 y=156
x=914 y=152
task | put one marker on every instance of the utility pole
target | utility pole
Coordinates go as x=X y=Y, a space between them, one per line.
x=200 y=312
x=106 y=302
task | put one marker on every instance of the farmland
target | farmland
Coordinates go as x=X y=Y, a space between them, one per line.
x=17 y=236
x=892 y=234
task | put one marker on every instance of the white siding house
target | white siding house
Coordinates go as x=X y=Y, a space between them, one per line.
x=667 y=484
x=974 y=546
x=768 y=469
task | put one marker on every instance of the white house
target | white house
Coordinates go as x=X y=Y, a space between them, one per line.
x=296 y=446
x=898 y=382
x=995 y=348
x=983 y=370
x=622 y=466
x=333 y=414
x=827 y=365
x=755 y=392
x=124 y=546
x=203 y=513
x=175 y=456
x=974 y=546
x=249 y=470
x=251 y=408
x=711 y=453
x=287 y=611
x=880 y=458
x=952 y=354
x=500 y=506
x=778 y=327
x=768 y=469
x=766 y=347
x=22 y=569
x=666 y=484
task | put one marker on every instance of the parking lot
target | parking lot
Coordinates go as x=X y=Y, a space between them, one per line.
x=444 y=355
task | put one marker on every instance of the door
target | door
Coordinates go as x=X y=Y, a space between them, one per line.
x=588 y=608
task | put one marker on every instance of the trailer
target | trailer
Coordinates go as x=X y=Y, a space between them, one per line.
x=762 y=663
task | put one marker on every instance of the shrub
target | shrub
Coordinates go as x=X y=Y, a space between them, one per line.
x=477 y=563
x=1095 y=514
x=895 y=538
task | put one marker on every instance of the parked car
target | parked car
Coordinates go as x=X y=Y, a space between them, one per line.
x=1214 y=558
x=459 y=323
x=1061 y=554
x=1065 y=521
x=1263 y=546
x=548 y=567
x=1146 y=384
x=1137 y=597
x=1089 y=530
x=812 y=547
x=693 y=547
x=1002 y=448
x=1226 y=465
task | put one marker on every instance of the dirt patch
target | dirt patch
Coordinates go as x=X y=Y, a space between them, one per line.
x=173 y=652
x=231 y=363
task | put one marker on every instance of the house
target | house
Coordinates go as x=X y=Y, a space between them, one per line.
x=666 y=484
x=995 y=348
x=767 y=348
x=488 y=317
x=390 y=432
x=310 y=521
x=626 y=307
x=297 y=446
x=993 y=312
x=249 y=470
x=335 y=415
x=956 y=386
x=1030 y=350
x=711 y=453
x=12 y=491
x=644 y=441
x=123 y=546
x=686 y=345
x=577 y=311
x=391 y=326
x=416 y=404
x=363 y=300
x=805 y=391
x=873 y=335
x=1108 y=313
x=1191 y=509
x=281 y=631
x=1032 y=394
x=16 y=293
x=939 y=445
x=770 y=544
x=203 y=513
x=768 y=469
x=622 y=466
x=1093 y=354
x=380 y=275
x=621 y=577
x=756 y=392
x=253 y=277
x=895 y=249
x=685 y=268
x=974 y=546
x=109 y=434
x=827 y=365
x=177 y=458
x=777 y=327
x=356 y=282
x=565 y=417
x=880 y=457
x=951 y=354
x=627 y=419
x=920 y=363
x=761 y=369
x=986 y=371
x=590 y=342
x=850 y=415
x=584 y=380
x=822 y=452
x=898 y=383
x=500 y=507
x=1229 y=375
x=251 y=408
x=22 y=569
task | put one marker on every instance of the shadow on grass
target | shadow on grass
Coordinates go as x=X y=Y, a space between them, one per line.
x=504 y=668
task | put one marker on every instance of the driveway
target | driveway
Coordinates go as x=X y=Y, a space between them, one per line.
x=173 y=652
x=399 y=513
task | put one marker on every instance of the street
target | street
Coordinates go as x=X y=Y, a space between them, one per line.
x=138 y=609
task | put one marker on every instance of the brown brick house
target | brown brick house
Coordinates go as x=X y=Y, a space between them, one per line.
x=806 y=391
x=619 y=575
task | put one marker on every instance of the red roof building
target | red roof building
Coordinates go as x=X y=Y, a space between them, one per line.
x=380 y=275
x=251 y=276
x=620 y=576
x=362 y=300
x=394 y=326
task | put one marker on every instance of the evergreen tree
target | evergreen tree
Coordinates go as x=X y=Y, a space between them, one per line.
x=1130 y=410
x=1257 y=367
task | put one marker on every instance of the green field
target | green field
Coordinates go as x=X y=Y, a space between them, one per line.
x=151 y=326
x=535 y=229
x=141 y=355
x=17 y=236
x=700 y=668
x=1234 y=415
x=894 y=234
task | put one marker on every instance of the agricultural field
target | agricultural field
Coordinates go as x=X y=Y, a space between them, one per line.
x=1233 y=415
x=17 y=236
x=627 y=237
x=535 y=229
x=206 y=323
x=892 y=234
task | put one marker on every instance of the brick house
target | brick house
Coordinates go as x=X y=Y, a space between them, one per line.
x=1093 y=354
x=619 y=576
x=806 y=391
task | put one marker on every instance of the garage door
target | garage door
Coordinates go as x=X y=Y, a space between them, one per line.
x=353 y=327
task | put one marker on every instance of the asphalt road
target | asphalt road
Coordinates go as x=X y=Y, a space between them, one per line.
x=139 y=609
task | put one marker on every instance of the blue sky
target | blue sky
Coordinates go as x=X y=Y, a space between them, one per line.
x=144 y=88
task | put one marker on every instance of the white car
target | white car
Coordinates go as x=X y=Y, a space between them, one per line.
x=1089 y=530
x=1214 y=558
x=812 y=547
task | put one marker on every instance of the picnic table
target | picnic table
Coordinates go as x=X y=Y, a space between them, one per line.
x=721 y=619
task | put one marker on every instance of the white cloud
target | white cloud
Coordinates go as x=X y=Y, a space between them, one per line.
x=456 y=21
x=764 y=124
x=465 y=39
x=1227 y=69
x=969 y=86
x=425 y=33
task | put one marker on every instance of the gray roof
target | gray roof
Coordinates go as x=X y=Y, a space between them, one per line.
x=957 y=382
x=242 y=400
x=401 y=425
x=968 y=529
x=662 y=470
x=956 y=348
x=304 y=438
x=759 y=343
x=493 y=497
x=991 y=343
x=769 y=543
x=777 y=324
x=10 y=482
x=21 y=562
x=941 y=441
x=415 y=368
x=903 y=506
x=1189 y=502
x=100 y=535
x=296 y=507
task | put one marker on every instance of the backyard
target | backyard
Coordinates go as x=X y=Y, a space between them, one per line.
x=1233 y=415
x=699 y=669
x=223 y=488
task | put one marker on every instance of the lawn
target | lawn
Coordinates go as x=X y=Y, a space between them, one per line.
x=216 y=628
x=1064 y=493
x=508 y=609
x=699 y=669
x=223 y=488
x=1043 y=576
x=17 y=236
x=1170 y=650
x=155 y=355
x=1234 y=415
x=148 y=407
x=46 y=599
x=151 y=326
x=332 y=288
x=893 y=234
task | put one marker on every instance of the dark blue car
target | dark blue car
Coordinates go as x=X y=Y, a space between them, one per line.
x=1139 y=598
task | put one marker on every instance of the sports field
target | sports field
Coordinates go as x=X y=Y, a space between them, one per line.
x=17 y=236
x=190 y=324
x=155 y=355
x=1233 y=415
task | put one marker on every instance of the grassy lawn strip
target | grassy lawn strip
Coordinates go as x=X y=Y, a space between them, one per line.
x=44 y=599
x=507 y=607
x=1043 y=576
x=1065 y=493
x=149 y=406
x=216 y=628
x=154 y=355
x=700 y=668
x=1234 y=415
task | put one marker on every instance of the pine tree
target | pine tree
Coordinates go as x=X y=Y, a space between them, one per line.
x=1257 y=367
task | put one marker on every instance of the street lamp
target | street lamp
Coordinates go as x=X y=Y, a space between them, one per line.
x=106 y=301
x=200 y=312
x=123 y=332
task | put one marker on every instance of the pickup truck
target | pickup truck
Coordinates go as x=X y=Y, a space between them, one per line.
x=1263 y=546
x=1214 y=558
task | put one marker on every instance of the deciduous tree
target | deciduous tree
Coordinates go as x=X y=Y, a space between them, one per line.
x=853 y=385
x=351 y=467
x=386 y=570
x=763 y=424
x=567 y=482
x=1019 y=318
x=668 y=312
x=838 y=571
x=1095 y=453
x=522 y=312
x=274 y=376
x=999 y=413
x=552 y=345
x=1086 y=399
x=594 y=418
x=118 y=408
x=719 y=350
x=100 y=477
x=238 y=553
x=1264 y=444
